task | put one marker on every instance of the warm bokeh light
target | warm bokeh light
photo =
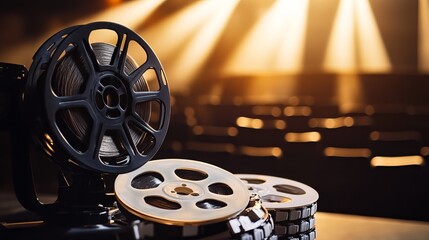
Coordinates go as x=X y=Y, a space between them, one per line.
x=279 y=124
x=247 y=122
x=424 y=151
x=256 y=123
x=347 y=152
x=395 y=136
x=424 y=36
x=397 y=161
x=215 y=131
x=297 y=111
x=355 y=42
x=261 y=151
x=302 y=137
x=275 y=44
x=332 y=122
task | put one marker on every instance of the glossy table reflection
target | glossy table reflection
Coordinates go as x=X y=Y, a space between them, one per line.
x=342 y=226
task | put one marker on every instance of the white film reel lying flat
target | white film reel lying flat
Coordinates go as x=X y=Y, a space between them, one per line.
x=286 y=199
x=181 y=192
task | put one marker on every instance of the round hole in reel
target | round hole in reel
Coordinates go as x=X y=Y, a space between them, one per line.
x=286 y=199
x=217 y=197
x=276 y=191
x=99 y=109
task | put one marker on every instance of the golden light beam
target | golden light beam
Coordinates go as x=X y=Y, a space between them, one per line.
x=194 y=54
x=372 y=52
x=340 y=55
x=130 y=14
x=424 y=36
x=355 y=43
x=275 y=44
x=168 y=37
x=291 y=52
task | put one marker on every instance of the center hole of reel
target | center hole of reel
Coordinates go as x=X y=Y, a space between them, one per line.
x=183 y=190
x=111 y=97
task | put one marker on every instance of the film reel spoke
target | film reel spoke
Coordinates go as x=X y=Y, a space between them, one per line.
x=217 y=200
x=97 y=132
x=151 y=192
x=119 y=55
x=146 y=96
x=84 y=50
x=72 y=102
x=127 y=142
x=170 y=176
x=193 y=205
x=137 y=73
x=66 y=102
x=143 y=125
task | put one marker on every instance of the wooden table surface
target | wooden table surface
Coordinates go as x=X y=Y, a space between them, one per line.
x=342 y=226
x=329 y=226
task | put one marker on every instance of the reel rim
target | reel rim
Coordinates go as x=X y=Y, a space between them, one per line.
x=52 y=104
x=133 y=200
x=44 y=52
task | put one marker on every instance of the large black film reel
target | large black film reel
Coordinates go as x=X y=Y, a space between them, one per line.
x=96 y=106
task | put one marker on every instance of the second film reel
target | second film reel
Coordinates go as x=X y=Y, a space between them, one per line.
x=177 y=198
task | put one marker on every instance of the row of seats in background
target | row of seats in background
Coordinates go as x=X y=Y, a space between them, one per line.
x=369 y=161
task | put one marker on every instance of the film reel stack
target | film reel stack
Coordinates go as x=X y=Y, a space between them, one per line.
x=292 y=204
x=100 y=113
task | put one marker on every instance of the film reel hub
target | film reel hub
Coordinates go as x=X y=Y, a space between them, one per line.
x=111 y=97
x=183 y=190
